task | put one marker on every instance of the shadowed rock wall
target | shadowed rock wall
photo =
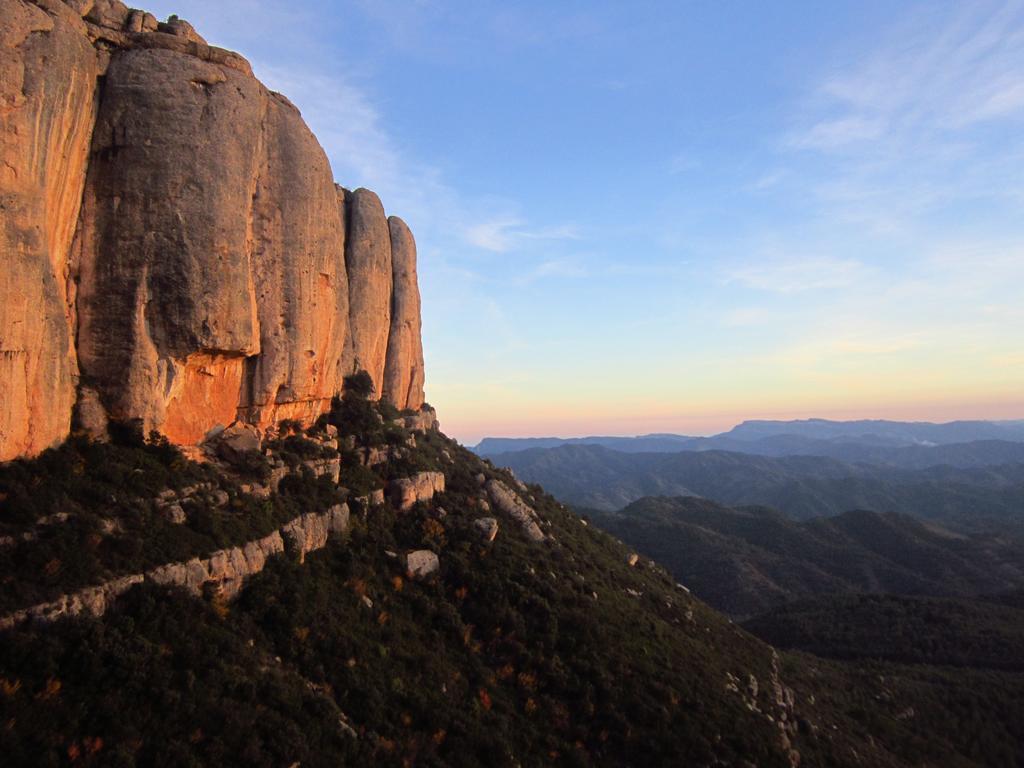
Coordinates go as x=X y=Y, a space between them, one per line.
x=174 y=247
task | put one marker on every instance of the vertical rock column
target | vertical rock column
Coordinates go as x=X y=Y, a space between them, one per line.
x=166 y=301
x=403 y=371
x=368 y=259
x=301 y=286
x=48 y=71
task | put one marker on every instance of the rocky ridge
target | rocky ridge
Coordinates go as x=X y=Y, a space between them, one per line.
x=176 y=249
x=222 y=574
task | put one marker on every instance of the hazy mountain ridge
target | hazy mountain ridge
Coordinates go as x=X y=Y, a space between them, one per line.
x=978 y=498
x=901 y=444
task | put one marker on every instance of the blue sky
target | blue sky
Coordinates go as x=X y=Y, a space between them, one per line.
x=640 y=217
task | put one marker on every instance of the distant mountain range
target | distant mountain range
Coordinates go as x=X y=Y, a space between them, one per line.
x=973 y=498
x=744 y=561
x=887 y=442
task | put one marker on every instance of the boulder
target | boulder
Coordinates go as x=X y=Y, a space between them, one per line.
x=173 y=513
x=506 y=500
x=237 y=440
x=421 y=563
x=488 y=528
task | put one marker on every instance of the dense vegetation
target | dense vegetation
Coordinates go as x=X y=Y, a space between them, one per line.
x=978 y=632
x=520 y=652
x=516 y=652
x=746 y=560
x=84 y=512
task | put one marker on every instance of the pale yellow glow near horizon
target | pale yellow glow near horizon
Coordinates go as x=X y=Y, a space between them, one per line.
x=469 y=427
x=716 y=401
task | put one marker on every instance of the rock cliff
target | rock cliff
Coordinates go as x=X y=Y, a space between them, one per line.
x=175 y=249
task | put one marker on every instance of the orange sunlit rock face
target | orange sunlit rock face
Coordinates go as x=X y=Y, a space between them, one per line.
x=174 y=244
x=48 y=72
x=206 y=389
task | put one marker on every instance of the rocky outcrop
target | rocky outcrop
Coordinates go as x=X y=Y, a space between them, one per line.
x=368 y=260
x=422 y=420
x=407 y=491
x=403 y=370
x=48 y=71
x=309 y=532
x=488 y=528
x=506 y=500
x=175 y=249
x=222 y=574
x=421 y=563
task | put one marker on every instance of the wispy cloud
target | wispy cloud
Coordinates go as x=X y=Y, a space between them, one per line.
x=929 y=118
x=839 y=132
x=935 y=74
x=797 y=274
x=505 y=233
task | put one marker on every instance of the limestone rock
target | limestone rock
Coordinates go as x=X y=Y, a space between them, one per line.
x=222 y=573
x=421 y=563
x=309 y=532
x=108 y=13
x=331 y=467
x=403 y=370
x=488 y=528
x=237 y=440
x=506 y=500
x=299 y=278
x=407 y=491
x=48 y=71
x=174 y=514
x=175 y=249
x=368 y=259
x=423 y=420
x=89 y=415
x=180 y=28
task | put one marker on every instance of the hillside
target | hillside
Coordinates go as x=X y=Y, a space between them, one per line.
x=744 y=561
x=532 y=639
x=518 y=646
x=984 y=633
x=803 y=487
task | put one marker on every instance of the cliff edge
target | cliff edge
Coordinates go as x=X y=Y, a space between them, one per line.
x=175 y=249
